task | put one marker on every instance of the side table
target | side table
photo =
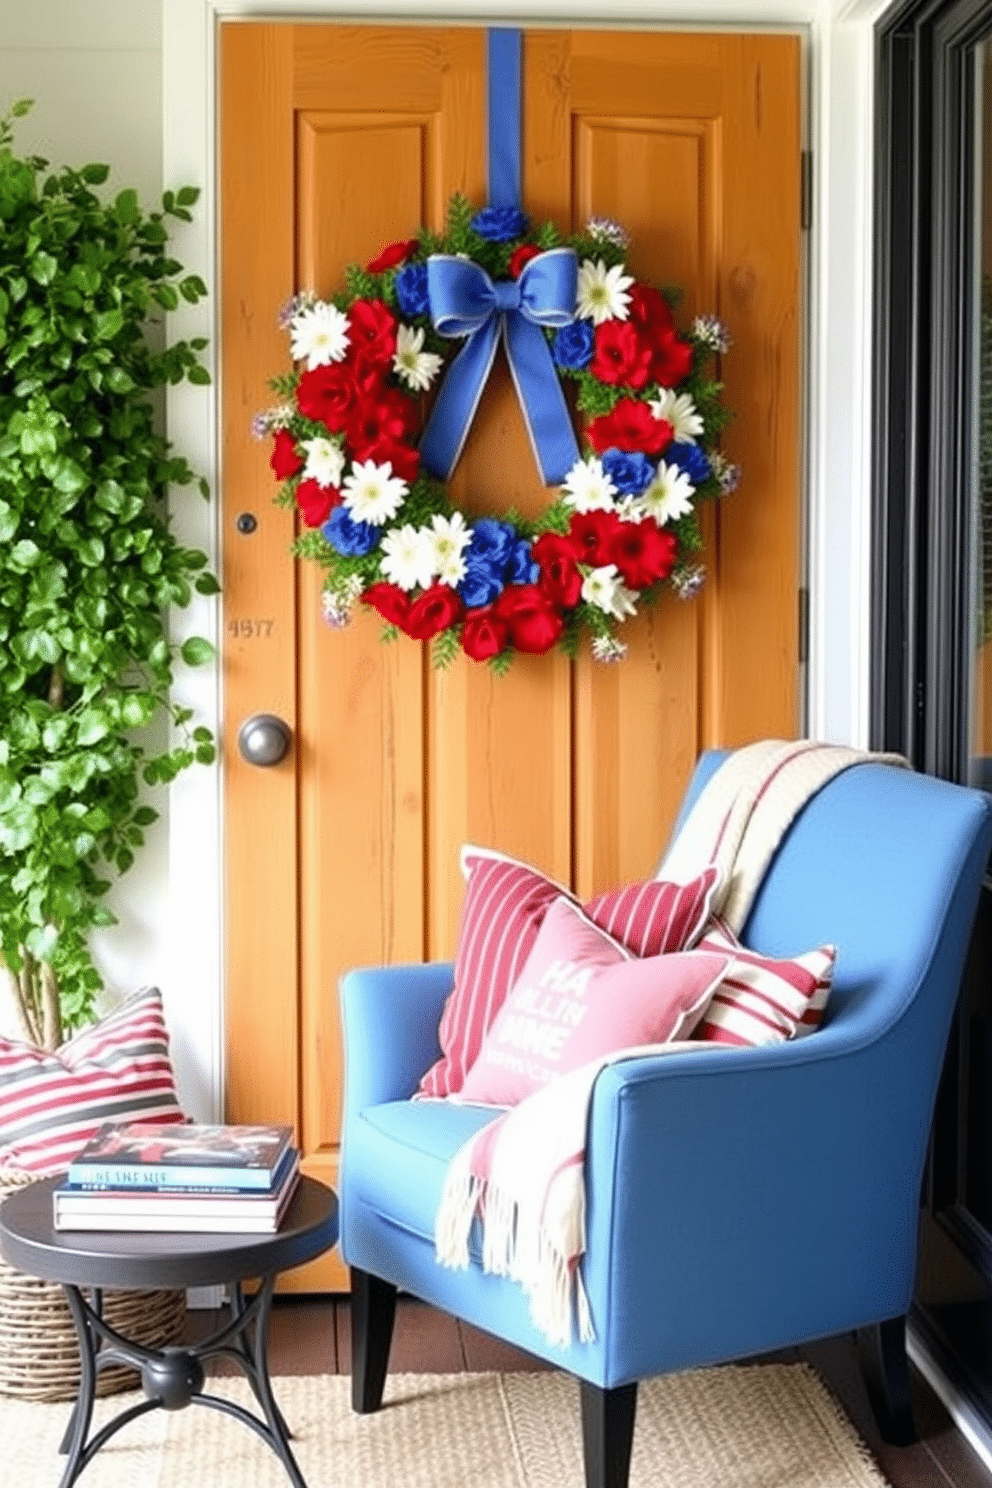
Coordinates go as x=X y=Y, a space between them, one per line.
x=171 y=1377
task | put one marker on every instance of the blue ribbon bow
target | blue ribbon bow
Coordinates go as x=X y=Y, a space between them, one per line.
x=464 y=301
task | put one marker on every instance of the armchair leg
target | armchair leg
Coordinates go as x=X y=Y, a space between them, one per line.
x=882 y=1352
x=373 y=1307
x=607 y=1433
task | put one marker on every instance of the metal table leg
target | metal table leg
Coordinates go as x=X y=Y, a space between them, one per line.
x=174 y=1377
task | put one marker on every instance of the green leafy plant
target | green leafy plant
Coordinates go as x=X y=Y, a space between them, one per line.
x=88 y=563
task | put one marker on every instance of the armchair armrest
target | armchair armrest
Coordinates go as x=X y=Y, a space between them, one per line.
x=390 y=1016
x=757 y=1195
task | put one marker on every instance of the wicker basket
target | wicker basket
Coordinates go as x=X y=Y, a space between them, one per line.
x=39 y=1354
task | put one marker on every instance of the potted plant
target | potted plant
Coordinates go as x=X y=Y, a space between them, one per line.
x=88 y=564
x=88 y=570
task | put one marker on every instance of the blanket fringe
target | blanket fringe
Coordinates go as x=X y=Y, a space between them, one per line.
x=526 y=1254
x=453 y=1223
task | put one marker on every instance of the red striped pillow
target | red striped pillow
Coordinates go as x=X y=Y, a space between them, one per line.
x=505 y=905
x=763 y=999
x=654 y=917
x=118 y=1070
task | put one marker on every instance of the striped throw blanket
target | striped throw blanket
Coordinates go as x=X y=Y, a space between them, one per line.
x=522 y=1174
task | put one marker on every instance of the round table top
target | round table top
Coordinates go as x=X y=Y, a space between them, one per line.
x=148 y=1260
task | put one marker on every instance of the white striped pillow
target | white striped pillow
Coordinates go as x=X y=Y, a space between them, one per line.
x=51 y=1104
x=505 y=905
x=764 y=999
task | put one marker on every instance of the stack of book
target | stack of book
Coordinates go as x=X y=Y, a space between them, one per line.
x=141 y=1176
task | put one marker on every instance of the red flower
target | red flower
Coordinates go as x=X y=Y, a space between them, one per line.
x=316 y=502
x=621 y=355
x=651 y=314
x=373 y=333
x=642 y=552
x=592 y=534
x=521 y=257
x=328 y=395
x=385 y=416
x=391 y=255
x=484 y=634
x=535 y=625
x=284 y=459
x=436 y=609
x=560 y=580
x=631 y=426
x=672 y=360
x=390 y=601
x=649 y=310
x=402 y=457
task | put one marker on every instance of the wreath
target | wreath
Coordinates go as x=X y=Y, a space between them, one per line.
x=373 y=416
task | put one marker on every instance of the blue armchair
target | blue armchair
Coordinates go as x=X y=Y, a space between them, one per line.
x=739 y=1201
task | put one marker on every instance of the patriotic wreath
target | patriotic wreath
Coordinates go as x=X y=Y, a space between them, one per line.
x=372 y=419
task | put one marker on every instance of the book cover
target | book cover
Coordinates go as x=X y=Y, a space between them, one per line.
x=176 y=1187
x=148 y=1155
x=73 y=1210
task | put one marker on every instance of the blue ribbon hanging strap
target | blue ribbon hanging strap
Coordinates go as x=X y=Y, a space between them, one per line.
x=503 y=58
x=464 y=301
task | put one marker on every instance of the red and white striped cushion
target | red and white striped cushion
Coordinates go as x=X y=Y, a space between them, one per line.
x=658 y=916
x=51 y=1104
x=762 y=999
x=505 y=905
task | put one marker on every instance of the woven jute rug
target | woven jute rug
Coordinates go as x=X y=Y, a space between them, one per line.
x=762 y=1426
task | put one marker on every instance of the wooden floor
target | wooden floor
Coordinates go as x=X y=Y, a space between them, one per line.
x=311 y=1335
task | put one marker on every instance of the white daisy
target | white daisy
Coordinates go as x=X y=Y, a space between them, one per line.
x=449 y=537
x=372 y=493
x=668 y=497
x=408 y=557
x=605 y=589
x=678 y=410
x=416 y=367
x=325 y=461
x=601 y=293
x=587 y=487
x=318 y=335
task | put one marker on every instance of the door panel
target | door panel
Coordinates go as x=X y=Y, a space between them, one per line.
x=340 y=139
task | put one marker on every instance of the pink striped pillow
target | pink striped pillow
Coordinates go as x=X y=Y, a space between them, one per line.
x=118 y=1070
x=505 y=905
x=763 y=999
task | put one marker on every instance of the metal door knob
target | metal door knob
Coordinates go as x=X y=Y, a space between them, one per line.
x=264 y=739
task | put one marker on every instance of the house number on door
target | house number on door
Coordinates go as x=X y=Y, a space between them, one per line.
x=251 y=630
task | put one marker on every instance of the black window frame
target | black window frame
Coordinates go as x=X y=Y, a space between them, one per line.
x=922 y=636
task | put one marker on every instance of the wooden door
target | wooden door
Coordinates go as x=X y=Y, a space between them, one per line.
x=334 y=141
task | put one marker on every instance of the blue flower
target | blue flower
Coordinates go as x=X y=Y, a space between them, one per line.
x=411 y=289
x=481 y=584
x=350 y=538
x=630 y=473
x=499 y=224
x=573 y=344
x=491 y=542
x=690 y=459
x=521 y=568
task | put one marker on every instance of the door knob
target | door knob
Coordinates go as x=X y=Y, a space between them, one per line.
x=264 y=739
